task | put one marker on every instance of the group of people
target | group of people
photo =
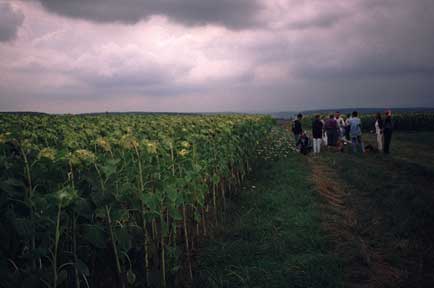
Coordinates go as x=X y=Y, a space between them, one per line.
x=337 y=131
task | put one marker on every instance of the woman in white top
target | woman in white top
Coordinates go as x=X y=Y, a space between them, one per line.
x=379 y=131
x=341 y=126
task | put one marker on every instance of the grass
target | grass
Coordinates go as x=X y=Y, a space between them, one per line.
x=273 y=235
x=339 y=220
x=393 y=199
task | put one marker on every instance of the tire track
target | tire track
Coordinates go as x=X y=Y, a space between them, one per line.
x=364 y=266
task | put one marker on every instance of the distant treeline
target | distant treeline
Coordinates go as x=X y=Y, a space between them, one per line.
x=23 y=113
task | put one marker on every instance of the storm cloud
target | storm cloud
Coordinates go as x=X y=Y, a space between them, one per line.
x=235 y=14
x=10 y=21
x=192 y=55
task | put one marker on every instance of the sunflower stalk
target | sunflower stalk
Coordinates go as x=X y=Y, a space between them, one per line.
x=111 y=233
x=143 y=215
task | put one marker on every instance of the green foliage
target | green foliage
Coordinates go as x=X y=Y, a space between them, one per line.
x=115 y=188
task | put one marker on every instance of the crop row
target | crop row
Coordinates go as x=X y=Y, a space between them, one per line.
x=115 y=201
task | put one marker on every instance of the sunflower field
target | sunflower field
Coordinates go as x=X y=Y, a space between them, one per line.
x=115 y=200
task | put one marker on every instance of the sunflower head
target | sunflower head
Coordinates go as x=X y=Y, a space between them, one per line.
x=151 y=146
x=185 y=144
x=48 y=153
x=103 y=144
x=4 y=137
x=129 y=142
x=81 y=156
x=183 y=152
x=66 y=196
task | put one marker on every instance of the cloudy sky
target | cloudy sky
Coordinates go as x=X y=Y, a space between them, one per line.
x=215 y=55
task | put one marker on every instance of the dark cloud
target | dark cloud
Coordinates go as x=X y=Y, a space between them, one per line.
x=371 y=67
x=10 y=21
x=234 y=14
x=343 y=53
x=383 y=41
x=323 y=20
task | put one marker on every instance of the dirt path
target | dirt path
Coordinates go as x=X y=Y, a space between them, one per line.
x=364 y=265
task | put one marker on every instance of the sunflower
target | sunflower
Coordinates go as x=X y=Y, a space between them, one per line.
x=47 y=153
x=104 y=144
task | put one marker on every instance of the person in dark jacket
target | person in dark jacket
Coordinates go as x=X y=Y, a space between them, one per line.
x=387 y=132
x=317 y=133
x=296 y=128
x=331 y=128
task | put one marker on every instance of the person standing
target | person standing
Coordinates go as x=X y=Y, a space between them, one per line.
x=347 y=128
x=324 y=136
x=331 y=128
x=341 y=125
x=356 y=132
x=379 y=131
x=317 y=130
x=297 y=128
x=387 y=131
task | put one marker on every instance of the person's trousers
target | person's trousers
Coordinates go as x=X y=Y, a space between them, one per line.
x=357 y=140
x=332 y=137
x=297 y=138
x=380 y=142
x=347 y=133
x=316 y=145
x=387 y=140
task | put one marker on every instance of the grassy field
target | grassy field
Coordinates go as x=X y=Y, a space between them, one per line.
x=338 y=220
x=391 y=201
x=273 y=235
